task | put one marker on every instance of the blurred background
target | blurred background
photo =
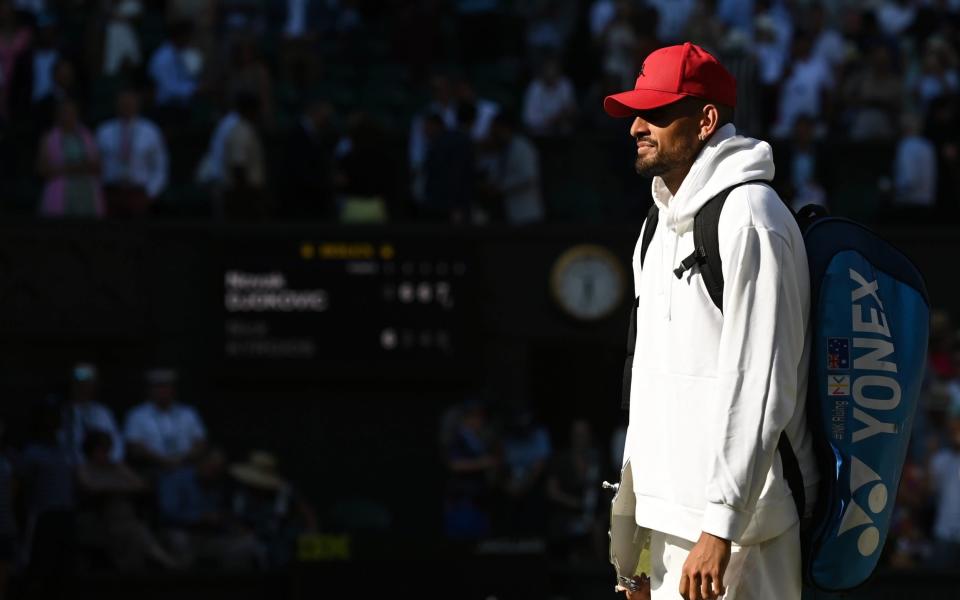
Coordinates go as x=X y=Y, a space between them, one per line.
x=306 y=298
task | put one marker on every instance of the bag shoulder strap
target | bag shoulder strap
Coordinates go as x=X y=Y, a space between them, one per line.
x=649 y=228
x=706 y=244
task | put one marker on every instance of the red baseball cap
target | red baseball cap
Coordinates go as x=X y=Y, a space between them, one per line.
x=669 y=74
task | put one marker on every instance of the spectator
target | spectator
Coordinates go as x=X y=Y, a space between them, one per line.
x=873 y=95
x=135 y=161
x=64 y=87
x=805 y=87
x=485 y=109
x=244 y=164
x=443 y=104
x=162 y=432
x=270 y=506
x=515 y=179
x=602 y=13
x=896 y=16
x=470 y=455
x=914 y=171
x=309 y=164
x=620 y=45
x=450 y=169
x=45 y=471
x=938 y=75
x=248 y=74
x=573 y=487
x=703 y=28
x=673 y=16
x=944 y=478
x=84 y=413
x=121 y=46
x=33 y=80
x=69 y=161
x=828 y=44
x=800 y=166
x=192 y=506
x=175 y=72
x=109 y=487
x=14 y=40
x=549 y=105
x=526 y=452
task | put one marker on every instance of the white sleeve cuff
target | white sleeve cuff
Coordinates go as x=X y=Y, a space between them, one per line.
x=725 y=521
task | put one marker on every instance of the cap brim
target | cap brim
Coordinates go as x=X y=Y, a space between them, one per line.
x=627 y=104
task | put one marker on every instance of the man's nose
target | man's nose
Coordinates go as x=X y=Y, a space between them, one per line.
x=639 y=127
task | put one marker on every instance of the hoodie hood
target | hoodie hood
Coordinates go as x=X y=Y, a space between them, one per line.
x=727 y=159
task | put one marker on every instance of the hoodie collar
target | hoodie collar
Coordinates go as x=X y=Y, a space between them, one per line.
x=725 y=160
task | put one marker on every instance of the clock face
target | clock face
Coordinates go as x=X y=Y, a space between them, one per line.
x=587 y=282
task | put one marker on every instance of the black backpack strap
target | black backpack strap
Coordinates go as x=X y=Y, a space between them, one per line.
x=649 y=228
x=791 y=471
x=706 y=244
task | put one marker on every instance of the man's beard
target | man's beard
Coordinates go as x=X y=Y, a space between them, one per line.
x=663 y=162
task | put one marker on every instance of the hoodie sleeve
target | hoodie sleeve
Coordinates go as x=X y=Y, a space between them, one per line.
x=761 y=343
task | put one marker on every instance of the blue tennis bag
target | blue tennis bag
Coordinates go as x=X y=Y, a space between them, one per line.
x=870 y=315
x=869 y=320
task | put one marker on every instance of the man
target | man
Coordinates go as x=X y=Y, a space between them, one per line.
x=134 y=155
x=161 y=432
x=84 y=414
x=712 y=390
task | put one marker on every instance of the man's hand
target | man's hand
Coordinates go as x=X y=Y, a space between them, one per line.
x=702 y=575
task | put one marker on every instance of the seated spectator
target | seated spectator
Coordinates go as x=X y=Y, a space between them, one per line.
x=135 y=162
x=270 y=506
x=309 y=165
x=939 y=76
x=248 y=74
x=63 y=87
x=573 y=489
x=805 y=87
x=450 y=169
x=620 y=46
x=193 y=507
x=175 y=69
x=515 y=177
x=945 y=481
x=244 y=164
x=121 y=45
x=914 y=171
x=873 y=95
x=799 y=175
x=549 y=104
x=109 y=488
x=162 y=432
x=526 y=452
x=469 y=451
x=443 y=104
x=46 y=476
x=33 y=78
x=84 y=413
x=69 y=162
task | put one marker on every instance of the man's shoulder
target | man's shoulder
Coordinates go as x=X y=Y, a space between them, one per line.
x=757 y=205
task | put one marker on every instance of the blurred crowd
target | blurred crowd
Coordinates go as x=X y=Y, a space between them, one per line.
x=81 y=490
x=505 y=478
x=468 y=111
x=926 y=525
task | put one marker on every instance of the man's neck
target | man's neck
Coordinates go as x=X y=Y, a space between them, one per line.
x=674 y=179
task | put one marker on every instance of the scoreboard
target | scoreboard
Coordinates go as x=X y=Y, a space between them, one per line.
x=346 y=308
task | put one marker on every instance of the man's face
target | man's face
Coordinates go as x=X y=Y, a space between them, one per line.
x=666 y=138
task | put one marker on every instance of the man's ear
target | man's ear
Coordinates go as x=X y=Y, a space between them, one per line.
x=709 y=120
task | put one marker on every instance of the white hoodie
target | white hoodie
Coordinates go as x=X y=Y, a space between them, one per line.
x=712 y=391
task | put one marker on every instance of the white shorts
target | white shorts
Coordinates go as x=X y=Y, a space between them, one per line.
x=757 y=572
